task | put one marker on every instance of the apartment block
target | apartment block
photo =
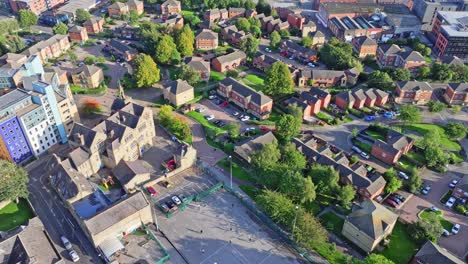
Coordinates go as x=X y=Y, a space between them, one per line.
x=171 y=7
x=413 y=92
x=36 y=6
x=206 y=40
x=456 y=93
x=311 y=102
x=48 y=49
x=392 y=148
x=451 y=31
x=87 y=76
x=364 y=46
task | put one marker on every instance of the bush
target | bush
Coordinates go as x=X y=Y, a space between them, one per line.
x=436 y=106
x=232 y=73
x=461 y=209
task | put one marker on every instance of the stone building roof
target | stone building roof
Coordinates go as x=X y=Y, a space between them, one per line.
x=432 y=253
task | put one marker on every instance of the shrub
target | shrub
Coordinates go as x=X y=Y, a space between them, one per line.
x=436 y=106
x=461 y=209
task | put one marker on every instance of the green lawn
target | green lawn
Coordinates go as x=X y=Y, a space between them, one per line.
x=324 y=117
x=401 y=247
x=202 y=120
x=375 y=134
x=423 y=129
x=216 y=76
x=237 y=171
x=14 y=215
x=187 y=12
x=363 y=146
x=249 y=190
x=254 y=81
x=416 y=156
x=332 y=222
x=446 y=224
x=76 y=89
x=329 y=251
x=405 y=164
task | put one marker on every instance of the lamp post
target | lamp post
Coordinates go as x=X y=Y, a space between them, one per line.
x=230 y=169
x=294 y=224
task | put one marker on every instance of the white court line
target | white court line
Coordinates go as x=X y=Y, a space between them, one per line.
x=214 y=253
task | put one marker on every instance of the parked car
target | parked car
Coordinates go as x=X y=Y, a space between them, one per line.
x=395 y=199
x=450 y=202
x=453 y=183
x=216 y=122
x=183 y=198
x=403 y=175
x=445 y=233
x=456 y=229
x=66 y=243
x=151 y=191
x=369 y=118
x=170 y=204
x=235 y=113
x=209 y=117
x=358 y=150
x=400 y=197
x=268 y=50
x=389 y=114
x=310 y=64
x=245 y=118
x=426 y=189
x=176 y=200
x=392 y=203
x=166 y=184
x=165 y=208
x=200 y=109
x=434 y=209
x=212 y=97
x=74 y=256
x=364 y=155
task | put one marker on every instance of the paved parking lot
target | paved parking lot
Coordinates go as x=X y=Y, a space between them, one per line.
x=220 y=230
x=222 y=113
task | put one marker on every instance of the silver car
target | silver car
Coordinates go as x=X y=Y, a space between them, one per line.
x=66 y=243
x=74 y=256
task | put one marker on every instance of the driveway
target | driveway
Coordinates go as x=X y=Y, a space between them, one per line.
x=439 y=183
x=221 y=113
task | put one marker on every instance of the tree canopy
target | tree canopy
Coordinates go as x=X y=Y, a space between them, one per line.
x=287 y=127
x=185 y=41
x=338 y=55
x=381 y=80
x=325 y=178
x=456 y=130
x=250 y=46
x=278 y=80
x=165 y=50
x=146 y=71
x=82 y=15
x=189 y=74
x=410 y=113
x=27 y=18
x=275 y=39
x=13 y=182
x=60 y=28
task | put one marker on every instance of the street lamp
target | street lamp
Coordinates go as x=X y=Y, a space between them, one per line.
x=294 y=224
x=230 y=166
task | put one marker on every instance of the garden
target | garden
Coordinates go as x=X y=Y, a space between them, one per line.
x=423 y=129
x=15 y=214
x=426 y=213
x=254 y=81
x=401 y=247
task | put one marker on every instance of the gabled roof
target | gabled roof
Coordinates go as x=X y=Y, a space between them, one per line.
x=374 y=93
x=237 y=9
x=431 y=253
x=231 y=57
x=92 y=20
x=266 y=58
x=79 y=156
x=178 y=86
x=414 y=86
x=251 y=145
x=452 y=60
x=199 y=64
x=76 y=29
x=134 y=3
x=294 y=46
x=318 y=34
x=389 y=48
x=121 y=47
x=317 y=92
x=347 y=96
x=117 y=5
x=371 y=218
x=359 y=94
x=365 y=41
x=309 y=24
x=394 y=143
x=327 y=74
x=459 y=87
x=171 y=3
x=126 y=170
x=411 y=56
x=207 y=34
x=301 y=103
x=256 y=97
x=88 y=70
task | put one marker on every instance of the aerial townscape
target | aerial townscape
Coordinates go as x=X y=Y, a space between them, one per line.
x=234 y=131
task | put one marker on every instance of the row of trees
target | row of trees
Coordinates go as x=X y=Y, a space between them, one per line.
x=444 y=73
x=176 y=124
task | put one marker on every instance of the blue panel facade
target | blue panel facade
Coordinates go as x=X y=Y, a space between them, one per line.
x=15 y=141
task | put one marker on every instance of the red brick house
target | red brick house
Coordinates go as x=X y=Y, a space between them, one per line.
x=170 y=7
x=387 y=55
x=215 y=15
x=263 y=62
x=461 y=189
x=232 y=35
x=229 y=62
x=206 y=40
x=94 y=25
x=394 y=146
x=78 y=34
x=375 y=97
x=117 y=9
x=136 y=5
x=345 y=100
x=245 y=97
x=296 y=20
x=201 y=66
x=297 y=51
x=264 y=21
x=321 y=78
x=121 y=50
x=410 y=60
x=413 y=92
x=364 y=46
x=456 y=93
x=236 y=12
x=359 y=98
x=311 y=102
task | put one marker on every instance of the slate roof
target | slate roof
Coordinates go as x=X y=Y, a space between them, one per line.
x=414 y=86
x=207 y=34
x=301 y=103
x=171 y=3
x=359 y=94
x=116 y=213
x=234 y=56
x=68 y=181
x=117 y=5
x=257 y=97
x=389 y=48
x=199 y=65
x=12 y=97
x=317 y=92
x=93 y=20
x=327 y=74
x=126 y=170
x=266 y=58
x=88 y=134
x=178 y=86
x=251 y=145
x=237 y=9
x=121 y=47
x=431 y=253
x=373 y=93
x=309 y=97
x=294 y=46
x=78 y=156
x=88 y=70
x=76 y=29
x=365 y=41
x=347 y=96
x=42 y=44
x=411 y=56
x=395 y=142
x=371 y=218
x=452 y=60
x=318 y=34
x=459 y=87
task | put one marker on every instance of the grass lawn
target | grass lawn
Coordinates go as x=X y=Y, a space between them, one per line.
x=237 y=171
x=250 y=191
x=416 y=156
x=216 y=76
x=187 y=12
x=332 y=222
x=347 y=119
x=254 y=81
x=14 y=215
x=446 y=224
x=202 y=120
x=375 y=134
x=423 y=129
x=401 y=247
x=324 y=117
x=329 y=252
x=363 y=146
x=76 y=89
x=405 y=164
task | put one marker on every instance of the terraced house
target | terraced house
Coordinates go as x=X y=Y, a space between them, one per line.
x=413 y=92
x=229 y=62
x=245 y=97
x=392 y=148
x=456 y=93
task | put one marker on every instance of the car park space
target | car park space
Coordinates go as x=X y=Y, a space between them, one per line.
x=223 y=114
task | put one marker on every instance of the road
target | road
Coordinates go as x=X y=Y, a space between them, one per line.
x=55 y=217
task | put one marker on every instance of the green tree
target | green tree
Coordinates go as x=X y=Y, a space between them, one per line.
x=284 y=33
x=60 y=28
x=277 y=206
x=233 y=129
x=377 y=259
x=346 y=195
x=400 y=74
x=307 y=42
x=250 y=46
x=249 y=4
x=165 y=115
x=424 y=72
x=393 y=185
x=293 y=158
x=390 y=173
x=435 y=156
x=192 y=20
x=381 y=80
x=295 y=110
x=90 y=60
x=14 y=182
x=101 y=59
x=189 y=74
x=263 y=7
x=287 y=127
x=82 y=15
x=325 y=179
x=338 y=55
x=415 y=182
x=146 y=71
x=256 y=31
x=73 y=56
x=185 y=41
x=27 y=18
x=275 y=39
x=410 y=113
x=308 y=230
x=243 y=24
x=460 y=73
x=436 y=106
x=456 y=130
x=428 y=229
x=296 y=187
x=355 y=132
x=133 y=16
x=165 y=49
x=267 y=156
x=441 y=72
x=278 y=80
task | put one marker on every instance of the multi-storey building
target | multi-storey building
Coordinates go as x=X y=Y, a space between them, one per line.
x=390 y=55
x=347 y=28
x=118 y=8
x=49 y=49
x=364 y=46
x=426 y=10
x=87 y=76
x=413 y=92
x=299 y=52
x=451 y=31
x=78 y=34
x=171 y=7
x=456 y=93
x=216 y=14
x=36 y=6
x=94 y=25
x=206 y=40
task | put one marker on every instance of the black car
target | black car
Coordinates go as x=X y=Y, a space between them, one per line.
x=395 y=199
x=400 y=197
x=216 y=122
x=170 y=204
x=221 y=124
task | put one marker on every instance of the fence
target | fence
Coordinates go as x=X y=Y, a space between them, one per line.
x=163 y=249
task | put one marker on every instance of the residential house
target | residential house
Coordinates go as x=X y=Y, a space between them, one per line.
x=364 y=46
x=171 y=7
x=126 y=31
x=178 y=92
x=174 y=21
x=392 y=148
x=411 y=60
x=263 y=62
x=206 y=40
x=264 y=21
x=216 y=14
x=413 y=92
x=49 y=49
x=452 y=61
x=201 y=66
x=254 y=102
x=118 y=9
x=131 y=174
x=94 y=25
x=387 y=55
x=250 y=13
x=345 y=100
x=321 y=78
x=308 y=28
x=390 y=55
x=318 y=39
x=232 y=35
x=229 y=62
x=276 y=25
x=296 y=21
x=87 y=76
x=121 y=50
x=297 y=51
x=359 y=98
x=236 y=12
x=248 y=147
x=461 y=189
x=456 y=93
x=431 y=253
x=78 y=34
x=368 y=224
x=311 y=102
x=375 y=97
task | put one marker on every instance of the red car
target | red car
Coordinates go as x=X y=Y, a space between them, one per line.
x=283 y=53
x=392 y=203
x=224 y=104
x=152 y=191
